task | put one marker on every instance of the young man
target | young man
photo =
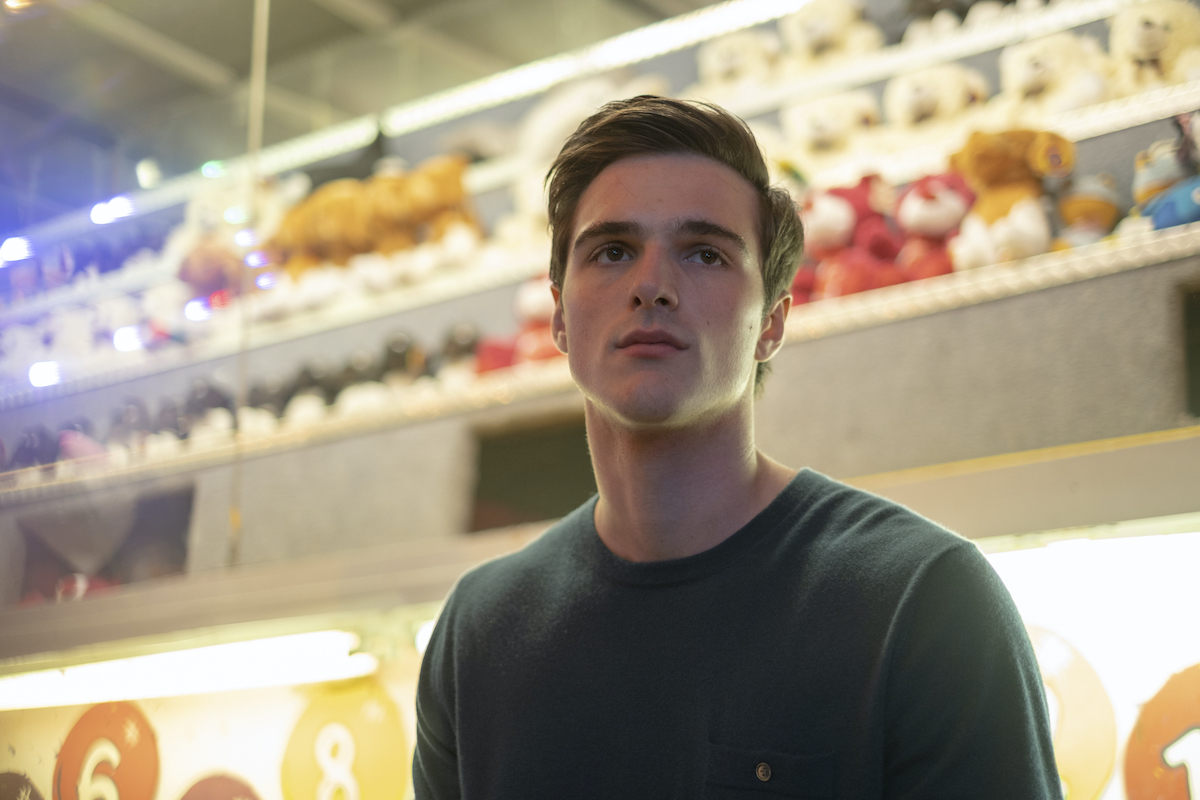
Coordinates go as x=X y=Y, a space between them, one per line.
x=713 y=623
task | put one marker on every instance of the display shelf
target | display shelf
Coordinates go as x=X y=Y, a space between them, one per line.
x=623 y=50
x=896 y=167
x=995 y=282
x=931 y=157
x=86 y=291
x=901 y=58
x=541 y=379
x=230 y=341
x=423 y=401
x=354 y=588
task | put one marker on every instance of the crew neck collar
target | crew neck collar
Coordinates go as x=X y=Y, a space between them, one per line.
x=780 y=511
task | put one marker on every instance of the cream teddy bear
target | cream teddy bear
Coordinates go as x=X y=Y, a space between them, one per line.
x=1050 y=75
x=1155 y=43
x=826 y=30
x=819 y=132
x=735 y=63
x=940 y=92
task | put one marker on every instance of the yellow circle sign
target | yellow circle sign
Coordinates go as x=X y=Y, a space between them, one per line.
x=349 y=744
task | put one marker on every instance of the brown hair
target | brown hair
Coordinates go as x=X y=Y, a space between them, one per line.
x=647 y=125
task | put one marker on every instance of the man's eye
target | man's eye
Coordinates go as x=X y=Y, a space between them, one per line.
x=611 y=253
x=709 y=257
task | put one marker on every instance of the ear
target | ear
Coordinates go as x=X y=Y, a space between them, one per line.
x=558 y=328
x=770 y=339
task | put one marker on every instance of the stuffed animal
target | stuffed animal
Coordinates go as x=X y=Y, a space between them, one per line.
x=1088 y=209
x=944 y=21
x=421 y=205
x=391 y=212
x=819 y=132
x=848 y=236
x=211 y=267
x=940 y=93
x=733 y=63
x=1154 y=43
x=1006 y=171
x=823 y=31
x=544 y=129
x=929 y=212
x=1050 y=75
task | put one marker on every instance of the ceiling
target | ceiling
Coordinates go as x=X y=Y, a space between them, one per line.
x=88 y=88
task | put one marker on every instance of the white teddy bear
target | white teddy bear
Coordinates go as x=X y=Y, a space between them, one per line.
x=819 y=132
x=942 y=96
x=734 y=63
x=826 y=30
x=1155 y=43
x=1050 y=75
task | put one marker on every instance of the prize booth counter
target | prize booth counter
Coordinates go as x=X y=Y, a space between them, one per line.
x=297 y=680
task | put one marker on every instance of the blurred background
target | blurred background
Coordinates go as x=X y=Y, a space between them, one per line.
x=275 y=366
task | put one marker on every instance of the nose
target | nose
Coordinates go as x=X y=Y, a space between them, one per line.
x=654 y=280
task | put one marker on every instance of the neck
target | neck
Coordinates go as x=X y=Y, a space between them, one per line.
x=674 y=493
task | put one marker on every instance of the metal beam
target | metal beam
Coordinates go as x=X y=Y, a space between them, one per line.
x=190 y=64
x=449 y=47
x=375 y=16
x=371 y=16
x=127 y=32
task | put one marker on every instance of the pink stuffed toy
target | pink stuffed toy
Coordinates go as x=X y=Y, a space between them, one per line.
x=847 y=234
x=929 y=212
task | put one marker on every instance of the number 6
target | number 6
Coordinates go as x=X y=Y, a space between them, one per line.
x=98 y=787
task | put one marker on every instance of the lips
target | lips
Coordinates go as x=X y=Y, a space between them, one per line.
x=650 y=344
x=651 y=336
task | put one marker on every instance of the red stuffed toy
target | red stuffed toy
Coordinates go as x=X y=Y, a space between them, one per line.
x=929 y=212
x=850 y=238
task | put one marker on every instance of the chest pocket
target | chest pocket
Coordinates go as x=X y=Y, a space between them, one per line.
x=749 y=773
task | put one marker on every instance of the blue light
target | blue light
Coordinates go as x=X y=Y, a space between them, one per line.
x=245 y=237
x=197 y=310
x=257 y=259
x=212 y=169
x=16 y=248
x=235 y=215
x=265 y=280
x=44 y=373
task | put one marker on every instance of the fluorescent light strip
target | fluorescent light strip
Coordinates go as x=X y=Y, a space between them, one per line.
x=619 y=51
x=279 y=661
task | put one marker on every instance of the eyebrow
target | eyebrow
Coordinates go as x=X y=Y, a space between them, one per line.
x=694 y=227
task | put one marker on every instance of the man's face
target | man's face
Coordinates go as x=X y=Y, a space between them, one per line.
x=661 y=310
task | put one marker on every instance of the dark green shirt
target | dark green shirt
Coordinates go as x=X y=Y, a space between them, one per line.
x=838 y=645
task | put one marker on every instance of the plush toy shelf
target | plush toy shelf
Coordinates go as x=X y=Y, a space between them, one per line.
x=357 y=133
x=973 y=287
x=552 y=378
x=230 y=340
x=901 y=58
x=931 y=157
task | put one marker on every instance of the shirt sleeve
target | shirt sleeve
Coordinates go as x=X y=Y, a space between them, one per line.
x=435 y=760
x=966 y=709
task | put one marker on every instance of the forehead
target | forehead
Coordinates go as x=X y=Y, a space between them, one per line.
x=670 y=187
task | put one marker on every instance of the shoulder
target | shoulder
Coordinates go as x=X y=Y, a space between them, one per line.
x=876 y=537
x=519 y=578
